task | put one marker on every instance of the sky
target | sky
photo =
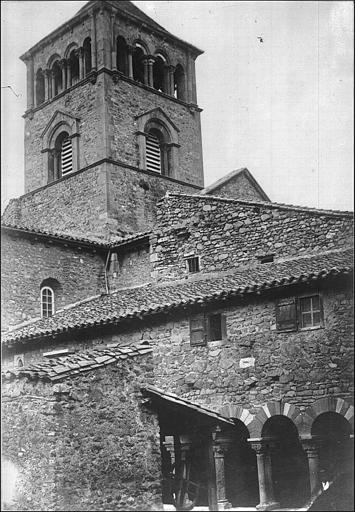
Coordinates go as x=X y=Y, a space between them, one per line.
x=275 y=84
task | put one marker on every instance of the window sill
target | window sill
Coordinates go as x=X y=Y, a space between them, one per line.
x=314 y=328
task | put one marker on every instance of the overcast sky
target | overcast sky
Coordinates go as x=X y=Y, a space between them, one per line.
x=275 y=84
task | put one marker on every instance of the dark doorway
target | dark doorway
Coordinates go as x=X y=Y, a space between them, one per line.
x=289 y=463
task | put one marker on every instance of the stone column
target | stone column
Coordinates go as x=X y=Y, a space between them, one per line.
x=63 y=66
x=30 y=83
x=113 y=42
x=81 y=63
x=171 y=71
x=130 y=50
x=221 y=444
x=146 y=72
x=52 y=84
x=150 y=72
x=311 y=446
x=47 y=78
x=68 y=74
x=263 y=447
x=93 y=42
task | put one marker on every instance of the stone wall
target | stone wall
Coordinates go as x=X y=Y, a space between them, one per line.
x=25 y=264
x=297 y=367
x=238 y=187
x=125 y=101
x=227 y=233
x=85 y=102
x=132 y=269
x=84 y=444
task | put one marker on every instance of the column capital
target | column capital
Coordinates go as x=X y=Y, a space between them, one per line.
x=221 y=442
x=263 y=445
x=311 y=444
x=130 y=48
x=62 y=63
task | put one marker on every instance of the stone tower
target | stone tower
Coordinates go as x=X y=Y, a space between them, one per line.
x=112 y=123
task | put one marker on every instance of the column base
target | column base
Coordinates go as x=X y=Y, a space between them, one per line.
x=271 y=505
x=224 y=505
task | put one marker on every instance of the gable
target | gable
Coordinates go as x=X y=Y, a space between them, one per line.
x=238 y=184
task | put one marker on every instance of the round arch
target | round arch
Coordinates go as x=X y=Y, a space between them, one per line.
x=267 y=411
x=237 y=412
x=163 y=55
x=52 y=59
x=305 y=419
x=69 y=49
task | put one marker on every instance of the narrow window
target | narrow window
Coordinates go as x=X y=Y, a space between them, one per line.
x=63 y=156
x=215 y=327
x=310 y=312
x=198 y=334
x=57 y=74
x=66 y=157
x=179 y=83
x=266 y=258
x=121 y=55
x=153 y=153
x=138 y=66
x=73 y=68
x=159 y=75
x=39 y=87
x=47 y=302
x=193 y=264
x=87 y=55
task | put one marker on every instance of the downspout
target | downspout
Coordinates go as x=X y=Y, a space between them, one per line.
x=106 y=266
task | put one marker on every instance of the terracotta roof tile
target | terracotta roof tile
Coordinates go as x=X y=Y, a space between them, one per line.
x=74 y=364
x=155 y=298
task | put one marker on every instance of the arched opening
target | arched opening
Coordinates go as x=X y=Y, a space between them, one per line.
x=57 y=75
x=39 y=87
x=63 y=156
x=73 y=67
x=290 y=472
x=159 y=74
x=87 y=55
x=50 y=290
x=121 y=55
x=179 y=83
x=241 y=474
x=138 y=66
x=336 y=451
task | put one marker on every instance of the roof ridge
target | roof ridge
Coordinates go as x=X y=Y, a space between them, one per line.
x=256 y=202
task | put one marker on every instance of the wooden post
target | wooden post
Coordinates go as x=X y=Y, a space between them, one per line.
x=263 y=448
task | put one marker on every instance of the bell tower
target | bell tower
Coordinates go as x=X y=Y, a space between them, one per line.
x=112 y=123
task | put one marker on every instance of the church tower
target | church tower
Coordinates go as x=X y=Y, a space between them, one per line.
x=112 y=123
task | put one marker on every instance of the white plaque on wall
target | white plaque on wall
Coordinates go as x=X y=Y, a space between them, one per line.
x=246 y=362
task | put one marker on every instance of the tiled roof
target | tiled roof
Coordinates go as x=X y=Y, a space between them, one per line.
x=159 y=298
x=72 y=364
x=255 y=202
x=113 y=242
x=175 y=400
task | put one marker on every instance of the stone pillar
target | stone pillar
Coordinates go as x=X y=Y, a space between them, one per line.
x=81 y=63
x=150 y=72
x=263 y=447
x=221 y=444
x=68 y=74
x=311 y=446
x=63 y=67
x=171 y=71
x=167 y=79
x=93 y=42
x=130 y=50
x=113 y=42
x=146 y=72
x=47 y=78
x=30 y=83
x=52 y=84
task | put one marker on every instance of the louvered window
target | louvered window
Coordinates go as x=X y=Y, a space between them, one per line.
x=66 y=157
x=153 y=153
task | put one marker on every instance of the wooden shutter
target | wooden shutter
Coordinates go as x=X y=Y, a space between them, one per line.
x=66 y=157
x=224 y=326
x=198 y=330
x=153 y=154
x=286 y=315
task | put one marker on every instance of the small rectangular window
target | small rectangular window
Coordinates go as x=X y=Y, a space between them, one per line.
x=310 y=312
x=215 y=327
x=207 y=327
x=198 y=330
x=266 y=258
x=193 y=264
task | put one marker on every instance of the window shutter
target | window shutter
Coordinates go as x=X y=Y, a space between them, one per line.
x=286 y=315
x=66 y=157
x=198 y=330
x=153 y=154
x=224 y=327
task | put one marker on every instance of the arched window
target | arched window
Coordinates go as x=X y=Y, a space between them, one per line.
x=57 y=74
x=47 y=302
x=138 y=66
x=73 y=67
x=39 y=87
x=121 y=55
x=63 y=155
x=159 y=74
x=157 y=148
x=87 y=55
x=179 y=83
